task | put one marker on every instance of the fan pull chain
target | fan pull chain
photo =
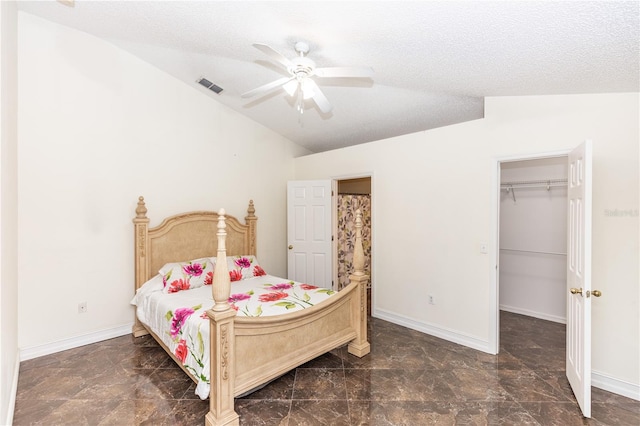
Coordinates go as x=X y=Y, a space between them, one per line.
x=300 y=105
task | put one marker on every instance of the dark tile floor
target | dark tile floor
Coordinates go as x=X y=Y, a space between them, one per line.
x=408 y=379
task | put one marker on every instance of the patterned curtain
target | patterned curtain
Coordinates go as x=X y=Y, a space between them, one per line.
x=347 y=206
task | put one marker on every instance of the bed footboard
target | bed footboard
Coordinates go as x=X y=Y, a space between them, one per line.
x=268 y=347
x=247 y=352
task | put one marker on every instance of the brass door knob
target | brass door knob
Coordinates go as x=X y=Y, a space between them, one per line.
x=596 y=293
x=576 y=291
x=290 y=247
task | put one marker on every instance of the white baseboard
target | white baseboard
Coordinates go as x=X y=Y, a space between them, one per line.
x=443 y=333
x=613 y=385
x=14 y=391
x=74 y=342
x=527 y=312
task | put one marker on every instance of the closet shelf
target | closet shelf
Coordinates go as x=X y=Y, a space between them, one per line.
x=534 y=251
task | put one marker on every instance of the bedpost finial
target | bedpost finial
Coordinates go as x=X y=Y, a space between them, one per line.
x=141 y=210
x=222 y=221
x=251 y=210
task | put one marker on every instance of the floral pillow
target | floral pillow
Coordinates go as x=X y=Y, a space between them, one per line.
x=187 y=275
x=243 y=267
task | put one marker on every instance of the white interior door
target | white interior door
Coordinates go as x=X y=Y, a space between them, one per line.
x=309 y=232
x=579 y=276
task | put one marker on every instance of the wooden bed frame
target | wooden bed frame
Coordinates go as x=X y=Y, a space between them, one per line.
x=247 y=352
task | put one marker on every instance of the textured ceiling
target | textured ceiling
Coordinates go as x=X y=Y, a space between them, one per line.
x=434 y=61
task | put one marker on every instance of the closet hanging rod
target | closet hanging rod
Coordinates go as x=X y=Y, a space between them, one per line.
x=535 y=251
x=534 y=183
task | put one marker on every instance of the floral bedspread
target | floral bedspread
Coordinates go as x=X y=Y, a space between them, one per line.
x=180 y=319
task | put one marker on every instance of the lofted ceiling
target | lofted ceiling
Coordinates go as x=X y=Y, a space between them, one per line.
x=433 y=61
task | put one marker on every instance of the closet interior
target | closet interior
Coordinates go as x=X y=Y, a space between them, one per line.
x=533 y=238
x=353 y=194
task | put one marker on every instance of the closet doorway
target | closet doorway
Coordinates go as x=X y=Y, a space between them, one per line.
x=575 y=258
x=351 y=195
x=533 y=238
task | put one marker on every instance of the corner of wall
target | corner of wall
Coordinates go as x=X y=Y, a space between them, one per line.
x=9 y=357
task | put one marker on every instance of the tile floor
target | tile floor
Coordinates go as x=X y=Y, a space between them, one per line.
x=408 y=379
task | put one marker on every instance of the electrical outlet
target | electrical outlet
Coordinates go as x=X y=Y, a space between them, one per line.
x=432 y=300
x=484 y=248
x=82 y=307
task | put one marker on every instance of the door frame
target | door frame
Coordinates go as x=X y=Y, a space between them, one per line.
x=494 y=289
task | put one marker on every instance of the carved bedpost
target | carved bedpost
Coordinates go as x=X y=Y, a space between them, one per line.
x=222 y=340
x=221 y=287
x=252 y=221
x=360 y=345
x=141 y=226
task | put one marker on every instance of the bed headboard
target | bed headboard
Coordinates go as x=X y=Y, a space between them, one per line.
x=187 y=236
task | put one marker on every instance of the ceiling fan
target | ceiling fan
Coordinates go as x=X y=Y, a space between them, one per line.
x=300 y=81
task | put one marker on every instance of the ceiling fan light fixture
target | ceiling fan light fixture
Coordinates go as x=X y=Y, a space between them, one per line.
x=291 y=87
x=307 y=90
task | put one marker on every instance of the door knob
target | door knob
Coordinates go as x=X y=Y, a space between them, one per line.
x=576 y=291
x=596 y=293
x=290 y=247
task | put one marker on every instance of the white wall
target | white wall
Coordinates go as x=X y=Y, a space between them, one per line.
x=97 y=128
x=9 y=357
x=534 y=284
x=432 y=208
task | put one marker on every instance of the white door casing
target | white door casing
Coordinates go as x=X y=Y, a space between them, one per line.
x=578 y=356
x=309 y=228
x=493 y=345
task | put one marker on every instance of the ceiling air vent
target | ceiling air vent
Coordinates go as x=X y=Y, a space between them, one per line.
x=209 y=85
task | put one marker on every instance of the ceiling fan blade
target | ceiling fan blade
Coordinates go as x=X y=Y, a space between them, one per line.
x=361 y=72
x=275 y=55
x=319 y=98
x=267 y=88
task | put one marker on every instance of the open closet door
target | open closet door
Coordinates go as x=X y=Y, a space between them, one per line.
x=309 y=213
x=578 y=358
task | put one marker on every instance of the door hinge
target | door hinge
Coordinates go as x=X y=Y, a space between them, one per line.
x=332 y=238
x=332 y=192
